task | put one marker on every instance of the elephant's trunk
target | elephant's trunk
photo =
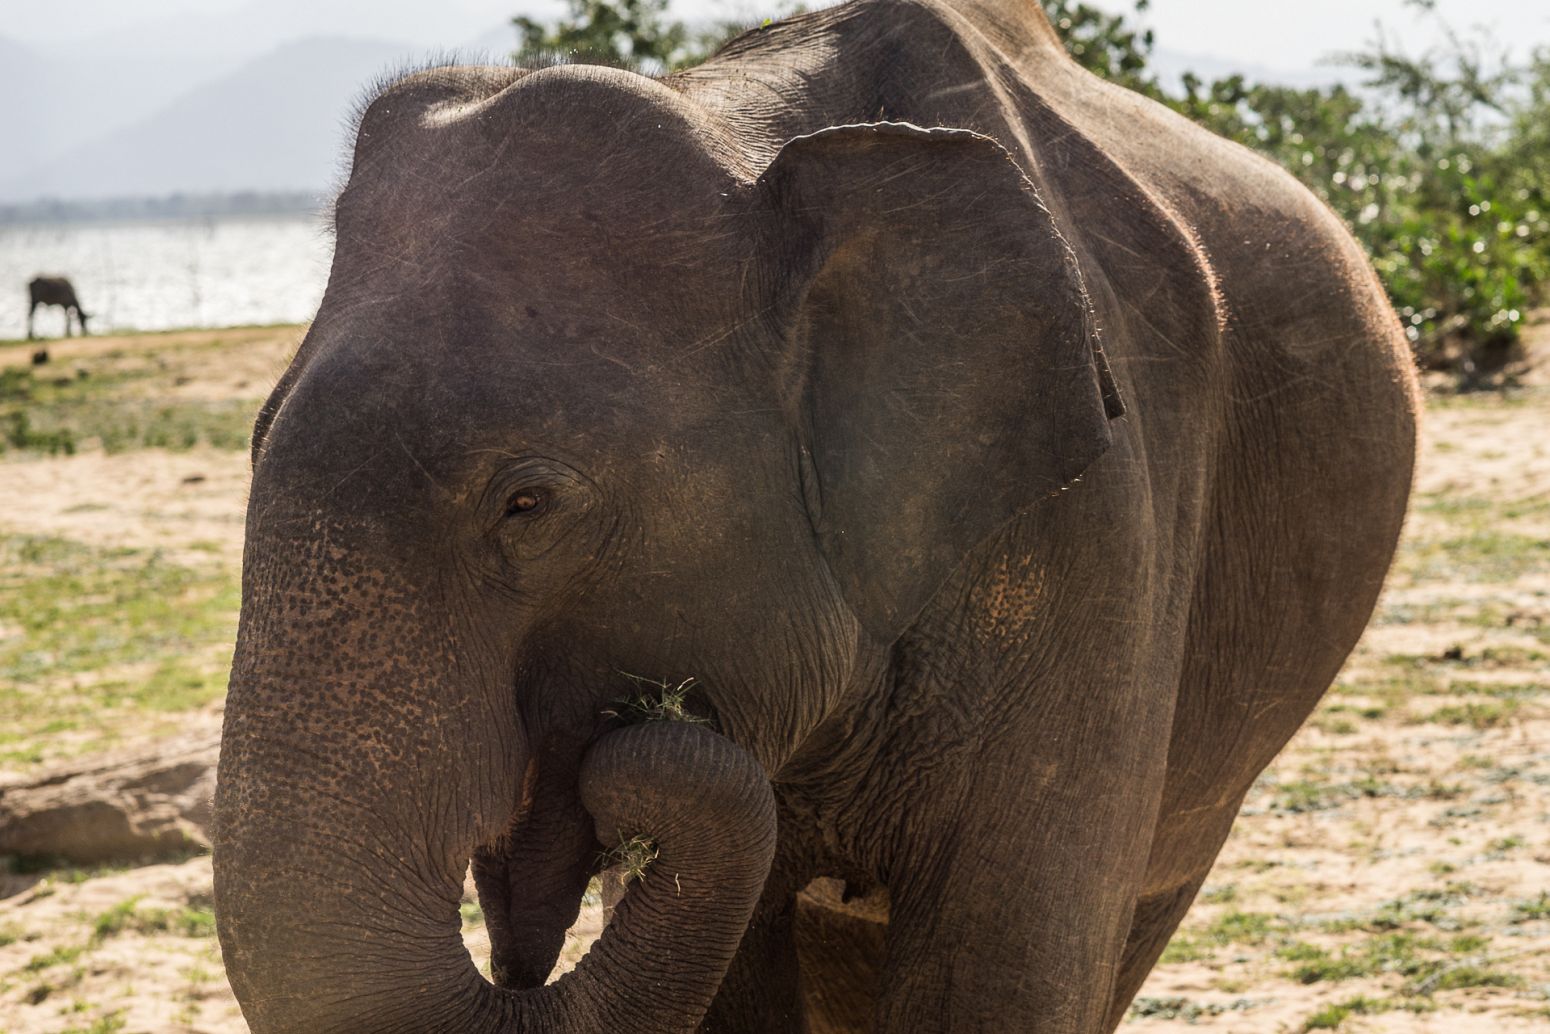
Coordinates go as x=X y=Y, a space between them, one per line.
x=377 y=948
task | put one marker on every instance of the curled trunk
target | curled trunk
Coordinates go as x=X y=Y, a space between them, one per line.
x=378 y=948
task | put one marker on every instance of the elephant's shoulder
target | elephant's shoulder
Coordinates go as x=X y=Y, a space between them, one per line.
x=1288 y=273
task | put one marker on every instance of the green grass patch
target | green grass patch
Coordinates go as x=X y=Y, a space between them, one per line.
x=1334 y=724
x=1457 y=507
x=1427 y=963
x=1332 y=1016
x=1231 y=927
x=1533 y=910
x=58 y=957
x=1185 y=948
x=1301 y=796
x=1244 y=928
x=1399 y=683
x=1501 y=847
x=108 y=1024
x=82 y=616
x=55 y=415
x=1479 y=715
x=1485 y=555
x=188 y=921
x=1185 y=1009
x=1431 y=907
x=1312 y=964
x=1504 y=690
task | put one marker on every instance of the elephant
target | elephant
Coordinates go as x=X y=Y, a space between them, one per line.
x=994 y=467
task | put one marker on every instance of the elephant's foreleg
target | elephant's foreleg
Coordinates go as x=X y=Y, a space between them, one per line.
x=1016 y=900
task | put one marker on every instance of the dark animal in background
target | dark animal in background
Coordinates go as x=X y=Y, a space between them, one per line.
x=55 y=290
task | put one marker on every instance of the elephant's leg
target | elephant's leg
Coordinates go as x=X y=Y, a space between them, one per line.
x=31 y=311
x=1157 y=916
x=1183 y=852
x=1016 y=901
x=842 y=945
x=760 y=992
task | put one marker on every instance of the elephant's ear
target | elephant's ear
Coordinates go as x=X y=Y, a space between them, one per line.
x=947 y=373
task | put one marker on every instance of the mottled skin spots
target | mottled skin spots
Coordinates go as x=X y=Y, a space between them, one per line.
x=1009 y=508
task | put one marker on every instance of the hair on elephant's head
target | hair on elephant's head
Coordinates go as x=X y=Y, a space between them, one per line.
x=593 y=390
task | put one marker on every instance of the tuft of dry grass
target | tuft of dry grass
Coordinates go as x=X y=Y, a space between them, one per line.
x=655 y=701
x=632 y=858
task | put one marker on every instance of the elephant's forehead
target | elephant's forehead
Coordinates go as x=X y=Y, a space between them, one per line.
x=583 y=155
x=553 y=249
x=381 y=410
x=588 y=337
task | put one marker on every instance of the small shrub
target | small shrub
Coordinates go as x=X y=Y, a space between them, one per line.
x=1332 y=1016
x=58 y=957
x=1479 y=716
x=1532 y=910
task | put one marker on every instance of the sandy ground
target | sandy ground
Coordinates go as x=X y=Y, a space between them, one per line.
x=180 y=502
x=1391 y=863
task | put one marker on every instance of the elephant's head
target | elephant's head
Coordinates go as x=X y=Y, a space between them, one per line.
x=593 y=391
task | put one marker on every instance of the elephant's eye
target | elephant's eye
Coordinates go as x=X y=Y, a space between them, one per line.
x=524 y=501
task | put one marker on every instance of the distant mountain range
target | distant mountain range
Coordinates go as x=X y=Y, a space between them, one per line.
x=273 y=123
x=252 y=113
x=260 y=107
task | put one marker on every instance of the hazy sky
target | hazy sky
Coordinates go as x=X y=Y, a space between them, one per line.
x=155 y=83
x=1296 y=35
x=1287 y=34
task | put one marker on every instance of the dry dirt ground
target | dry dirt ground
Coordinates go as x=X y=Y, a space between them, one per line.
x=1391 y=872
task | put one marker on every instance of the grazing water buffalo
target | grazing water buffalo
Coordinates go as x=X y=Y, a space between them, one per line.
x=55 y=290
x=1010 y=462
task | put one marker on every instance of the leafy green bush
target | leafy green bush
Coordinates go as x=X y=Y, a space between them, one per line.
x=1440 y=166
x=633 y=33
x=607 y=31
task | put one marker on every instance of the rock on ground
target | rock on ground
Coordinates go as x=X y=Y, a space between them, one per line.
x=127 y=808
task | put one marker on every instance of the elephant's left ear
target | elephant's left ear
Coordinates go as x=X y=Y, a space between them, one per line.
x=947 y=373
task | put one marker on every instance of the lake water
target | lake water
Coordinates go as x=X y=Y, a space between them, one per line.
x=203 y=272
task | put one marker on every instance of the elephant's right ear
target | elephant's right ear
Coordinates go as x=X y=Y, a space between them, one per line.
x=945 y=370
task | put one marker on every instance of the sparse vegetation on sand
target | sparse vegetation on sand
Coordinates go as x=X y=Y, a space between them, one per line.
x=1387 y=873
x=117 y=402
x=98 y=639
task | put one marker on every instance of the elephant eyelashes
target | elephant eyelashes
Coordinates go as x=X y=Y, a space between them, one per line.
x=525 y=501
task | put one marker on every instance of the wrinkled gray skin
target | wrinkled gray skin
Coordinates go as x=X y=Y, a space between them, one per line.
x=1013 y=488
